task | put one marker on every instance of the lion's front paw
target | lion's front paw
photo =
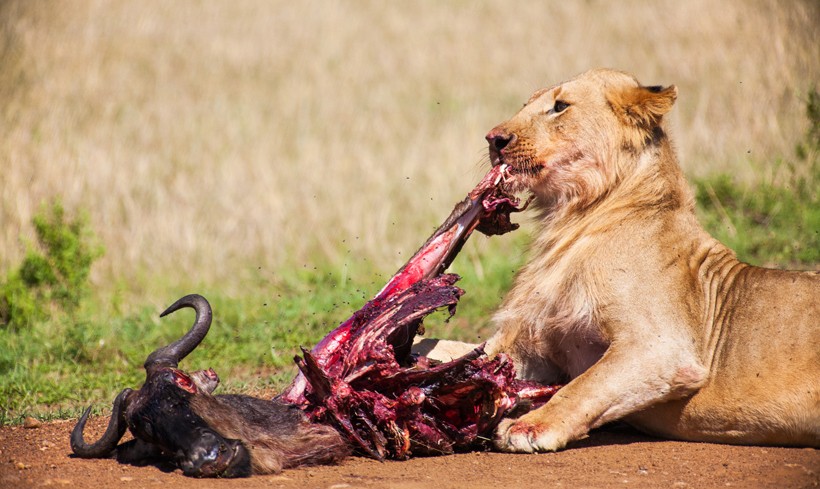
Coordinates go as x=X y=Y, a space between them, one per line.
x=520 y=435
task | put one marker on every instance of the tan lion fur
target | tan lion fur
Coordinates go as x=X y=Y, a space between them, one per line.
x=628 y=299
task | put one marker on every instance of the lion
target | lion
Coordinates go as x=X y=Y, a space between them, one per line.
x=627 y=299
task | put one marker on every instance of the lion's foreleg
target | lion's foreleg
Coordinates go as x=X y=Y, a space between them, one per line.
x=619 y=384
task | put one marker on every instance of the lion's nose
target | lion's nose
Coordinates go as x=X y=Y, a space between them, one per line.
x=499 y=139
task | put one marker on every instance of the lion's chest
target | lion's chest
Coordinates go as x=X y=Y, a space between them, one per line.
x=548 y=323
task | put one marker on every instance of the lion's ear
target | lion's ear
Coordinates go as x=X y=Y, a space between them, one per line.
x=644 y=106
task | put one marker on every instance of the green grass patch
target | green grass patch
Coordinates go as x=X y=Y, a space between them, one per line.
x=54 y=273
x=62 y=365
x=766 y=224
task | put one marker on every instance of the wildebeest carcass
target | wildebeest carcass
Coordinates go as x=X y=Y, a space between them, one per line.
x=359 y=388
x=174 y=416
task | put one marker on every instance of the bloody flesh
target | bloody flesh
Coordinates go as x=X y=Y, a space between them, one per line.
x=486 y=207
x=362 y=379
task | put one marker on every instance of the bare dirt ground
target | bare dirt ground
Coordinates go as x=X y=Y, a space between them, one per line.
x=614 y=457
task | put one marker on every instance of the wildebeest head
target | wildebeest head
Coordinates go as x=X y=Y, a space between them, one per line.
x=161 y=417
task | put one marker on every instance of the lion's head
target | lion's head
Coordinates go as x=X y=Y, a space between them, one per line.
x=573 y=141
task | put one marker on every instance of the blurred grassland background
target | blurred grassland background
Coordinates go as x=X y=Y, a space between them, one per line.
x=284 y=158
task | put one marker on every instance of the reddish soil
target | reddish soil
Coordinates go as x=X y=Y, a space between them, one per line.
x=615 y=457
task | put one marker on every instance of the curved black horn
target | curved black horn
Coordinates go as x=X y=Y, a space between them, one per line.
x=105 y=446
x=172 y=354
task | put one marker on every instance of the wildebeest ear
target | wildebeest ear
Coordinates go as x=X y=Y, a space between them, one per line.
x=643 y=106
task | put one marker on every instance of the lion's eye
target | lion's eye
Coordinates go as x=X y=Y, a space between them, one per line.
x=559 y=106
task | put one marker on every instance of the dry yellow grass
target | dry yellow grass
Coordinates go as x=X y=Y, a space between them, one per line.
x=206 y=139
